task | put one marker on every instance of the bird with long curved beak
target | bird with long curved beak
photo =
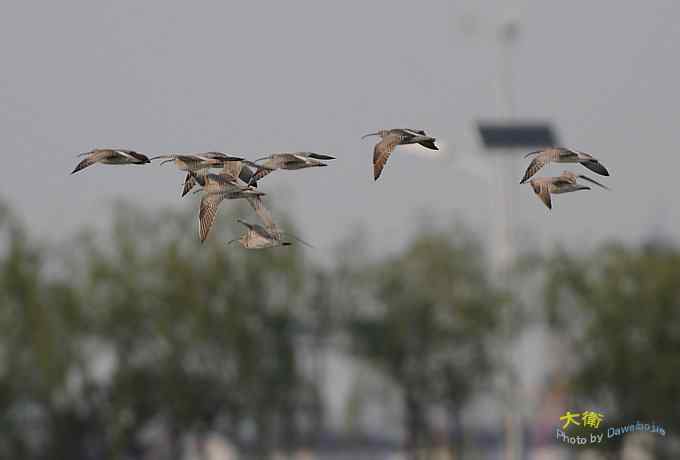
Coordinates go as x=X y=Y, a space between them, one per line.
x=263 y=236
x=297 y=160
x=564 y=183
x=257 y=237
x=561 y=155
x=111 y=157
x=390 y=138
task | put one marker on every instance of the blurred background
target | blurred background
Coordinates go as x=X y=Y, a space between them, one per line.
x=443 y=313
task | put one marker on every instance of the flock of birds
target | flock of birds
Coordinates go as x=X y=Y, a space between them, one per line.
x=237 y=178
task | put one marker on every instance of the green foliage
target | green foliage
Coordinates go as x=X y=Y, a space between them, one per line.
x=430 y=323
x=620 y=309
x=193 y=337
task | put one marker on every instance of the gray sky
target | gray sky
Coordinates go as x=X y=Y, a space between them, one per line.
x=253 y=77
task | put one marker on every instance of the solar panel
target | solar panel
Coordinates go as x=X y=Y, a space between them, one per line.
x=503 y=135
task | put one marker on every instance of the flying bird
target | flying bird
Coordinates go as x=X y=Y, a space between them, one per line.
x=111 y=157
x=297 y=160
x=390 y=138
x=198 y=163
x=257 y=237
x=262 y=236
x=564 y=183
x=216 y=188
x=561 y=155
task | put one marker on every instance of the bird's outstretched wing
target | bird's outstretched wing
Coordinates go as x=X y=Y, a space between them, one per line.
x=207 y=213
x=562 y=153
x=584 y=177
x=429 y=144
x=131 y=154
x=265 y=216
x=218 y=156
x=596 y=167
x=543 y=192
x=189 y=183
x=289 y=159
x=299 y=240
x=382 y=152
x=536 y=164
x=320 y=156
x=93 y=158
x=175 y=156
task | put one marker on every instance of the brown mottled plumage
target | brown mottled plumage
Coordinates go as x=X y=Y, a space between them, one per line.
x=297 y=160
x=111 y=157
x=564 y=183
x=262 y=236
x=390 y=138
x=561 y=155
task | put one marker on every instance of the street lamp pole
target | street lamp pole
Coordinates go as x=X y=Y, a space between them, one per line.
x=507 y=37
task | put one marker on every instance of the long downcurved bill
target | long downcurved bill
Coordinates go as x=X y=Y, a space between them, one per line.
x=166 y=159
x=370 y=134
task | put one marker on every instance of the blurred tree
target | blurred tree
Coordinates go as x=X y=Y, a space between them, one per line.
x=138 y=330
x=40 y=362
x=430 y=326
x=619 y=311
x=203 y=335
x=141 y=329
